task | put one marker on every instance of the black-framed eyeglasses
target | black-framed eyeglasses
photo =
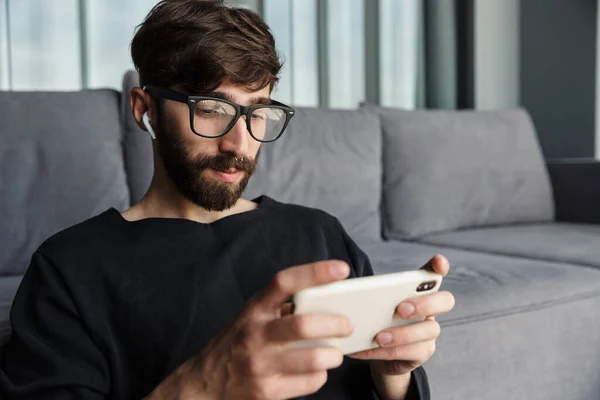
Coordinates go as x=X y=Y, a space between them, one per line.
x=211 y=117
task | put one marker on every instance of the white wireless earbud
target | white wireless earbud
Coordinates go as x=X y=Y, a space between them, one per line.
x=146 y=122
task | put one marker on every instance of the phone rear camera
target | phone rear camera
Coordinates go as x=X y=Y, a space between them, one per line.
x=426 y=286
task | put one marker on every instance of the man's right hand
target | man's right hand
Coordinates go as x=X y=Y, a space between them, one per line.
x=250 y=359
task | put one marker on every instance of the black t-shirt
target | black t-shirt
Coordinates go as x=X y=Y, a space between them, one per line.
x=109 y=308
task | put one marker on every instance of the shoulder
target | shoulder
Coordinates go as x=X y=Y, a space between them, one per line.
x=82 y=238
x=301 y=215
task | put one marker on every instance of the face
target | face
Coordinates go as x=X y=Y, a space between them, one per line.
x=210 y=172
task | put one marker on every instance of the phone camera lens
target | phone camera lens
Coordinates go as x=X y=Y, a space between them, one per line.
x=426 y=286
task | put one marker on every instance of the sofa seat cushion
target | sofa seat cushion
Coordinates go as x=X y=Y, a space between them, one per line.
x=327 y=159
x=8 y=289
x=562 y=242
x=61 y=162
x=516 y=321
x=488 y=285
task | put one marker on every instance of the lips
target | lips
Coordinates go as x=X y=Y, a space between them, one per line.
x=229 y=175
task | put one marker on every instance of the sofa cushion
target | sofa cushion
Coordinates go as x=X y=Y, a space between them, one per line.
x=61 y=162
x=538 y=313
x=563 y=242
x=328 y=159
x=8 y=289
x=445 y=170
x=489 y=285
x=137 y=145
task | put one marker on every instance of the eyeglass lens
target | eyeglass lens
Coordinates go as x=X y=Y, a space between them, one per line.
x=213 y=117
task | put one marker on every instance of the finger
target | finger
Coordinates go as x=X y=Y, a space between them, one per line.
x=438 y=264
x=297 y=385
x=424 y=306
x=421 y=351
x=302 y=361
x=291 y=361
x=307 y=326
x=291 y=280
x=404 y=335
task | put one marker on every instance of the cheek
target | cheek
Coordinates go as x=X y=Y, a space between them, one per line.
x=253 y=148
x=175 y=120
x=177 y=123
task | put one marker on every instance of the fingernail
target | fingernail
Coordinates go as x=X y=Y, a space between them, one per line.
x=339 y=270
x=384 y=338
x=350 y=326
x=406 y=310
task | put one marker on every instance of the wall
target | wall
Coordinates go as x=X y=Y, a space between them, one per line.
x=558 y=67
x=598 y=84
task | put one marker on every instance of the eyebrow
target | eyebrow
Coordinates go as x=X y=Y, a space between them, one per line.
x=253 y=101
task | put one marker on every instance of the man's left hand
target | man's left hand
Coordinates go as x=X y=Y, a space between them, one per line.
x=403 y=349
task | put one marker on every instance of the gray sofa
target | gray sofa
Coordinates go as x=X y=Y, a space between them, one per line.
x=522 y=234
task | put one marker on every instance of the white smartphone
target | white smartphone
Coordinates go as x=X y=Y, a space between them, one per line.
x=369 y=302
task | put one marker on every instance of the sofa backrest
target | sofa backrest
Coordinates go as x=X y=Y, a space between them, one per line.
x=449 y=170
x=60 y=163
x=331 y=160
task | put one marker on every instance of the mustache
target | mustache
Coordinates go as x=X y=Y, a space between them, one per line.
x=225 y=161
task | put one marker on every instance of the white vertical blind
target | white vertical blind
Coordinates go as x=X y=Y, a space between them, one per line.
x=294 y=25
x=45 y=47
x=399 y=52
x=346 y=53
x=277 y=14
x=4 y=64
x=109 y=34
x=47 y=39
x=305 y=64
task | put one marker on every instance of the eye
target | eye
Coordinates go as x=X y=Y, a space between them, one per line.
x=259 y=114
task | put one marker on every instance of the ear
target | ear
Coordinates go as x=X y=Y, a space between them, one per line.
x=142 y=104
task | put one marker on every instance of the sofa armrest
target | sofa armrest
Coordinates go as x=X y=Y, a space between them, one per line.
x=576 y=187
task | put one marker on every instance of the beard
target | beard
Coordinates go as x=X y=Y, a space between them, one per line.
x=190 y=176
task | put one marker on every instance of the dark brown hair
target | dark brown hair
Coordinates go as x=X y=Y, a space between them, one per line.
x=199 y=45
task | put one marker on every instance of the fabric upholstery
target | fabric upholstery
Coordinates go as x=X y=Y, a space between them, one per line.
x=445 y=170
x=521 y=328
x=328 y=159
x=61 y=162
x=8 y=289
x=137 y=145
x=562 y=242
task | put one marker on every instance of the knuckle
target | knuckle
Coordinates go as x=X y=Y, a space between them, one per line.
x=437 y=330
x=254 y=366
x=280 y=281
x=315 y=381
x=258 y=390
x=403 y=335
x=396 y=353
x=248 y=336
x=301 y=325
x=315 y=360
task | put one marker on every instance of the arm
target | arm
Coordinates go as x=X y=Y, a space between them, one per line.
x=50 y=354
x=576 y=187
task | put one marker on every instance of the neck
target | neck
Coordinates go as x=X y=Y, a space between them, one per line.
x=163 y=200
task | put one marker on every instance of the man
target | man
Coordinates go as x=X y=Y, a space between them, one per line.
x=185 y=294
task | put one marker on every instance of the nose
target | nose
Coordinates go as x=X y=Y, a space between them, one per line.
x=236 y=140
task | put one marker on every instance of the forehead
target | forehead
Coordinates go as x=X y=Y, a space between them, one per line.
x=240 y=94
